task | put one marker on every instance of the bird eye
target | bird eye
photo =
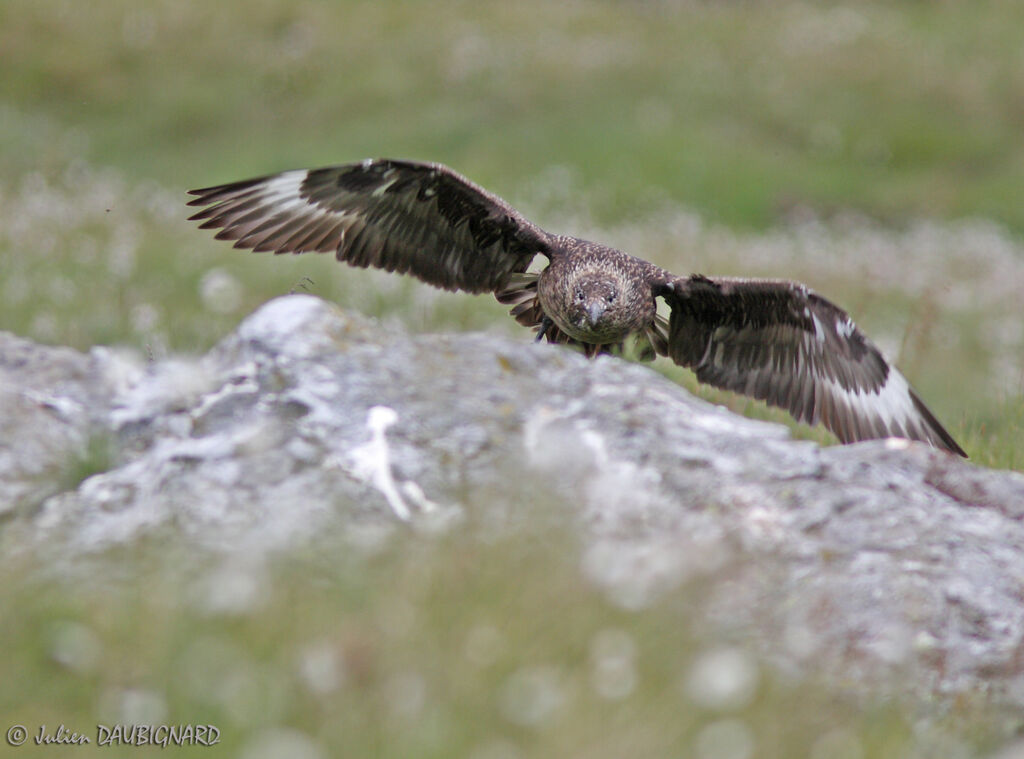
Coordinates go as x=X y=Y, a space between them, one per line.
x=610 y=297
x=579 y=293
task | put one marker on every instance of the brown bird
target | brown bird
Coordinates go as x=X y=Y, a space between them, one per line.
x=773 y=340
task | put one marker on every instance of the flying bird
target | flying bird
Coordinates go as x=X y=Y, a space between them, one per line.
x=773 y=340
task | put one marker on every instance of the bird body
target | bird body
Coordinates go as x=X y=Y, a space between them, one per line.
x=595 y=294
x=773 y=340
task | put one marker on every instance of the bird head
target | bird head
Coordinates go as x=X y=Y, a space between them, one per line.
x=595 y=301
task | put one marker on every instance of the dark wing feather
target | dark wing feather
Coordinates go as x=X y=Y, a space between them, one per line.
x=783 y=344
x=417 y=218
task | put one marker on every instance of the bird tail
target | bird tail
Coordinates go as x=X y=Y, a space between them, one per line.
x=520 y=292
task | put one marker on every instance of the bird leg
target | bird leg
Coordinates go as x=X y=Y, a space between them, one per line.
x=545 y=324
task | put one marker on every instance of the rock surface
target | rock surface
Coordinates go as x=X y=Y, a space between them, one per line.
x=879 y=561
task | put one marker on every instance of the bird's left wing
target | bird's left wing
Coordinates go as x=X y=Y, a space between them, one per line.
x=781 y=343
x=417 y=218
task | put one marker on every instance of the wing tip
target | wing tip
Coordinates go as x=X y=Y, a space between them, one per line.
x=207 y=195
x=938 y=435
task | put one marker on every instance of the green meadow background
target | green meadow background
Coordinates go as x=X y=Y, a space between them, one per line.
x=872 y=150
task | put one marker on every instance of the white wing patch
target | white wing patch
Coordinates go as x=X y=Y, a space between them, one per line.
x=845 y=328
x=891 y=404
x=283 y=193
x=280 y=197
x=819 y=329
x=284 y=187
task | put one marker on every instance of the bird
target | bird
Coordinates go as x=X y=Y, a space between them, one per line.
x=771 y=339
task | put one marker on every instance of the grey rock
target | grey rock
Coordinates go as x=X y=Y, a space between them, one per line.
x=882 y=561
x=52 y=401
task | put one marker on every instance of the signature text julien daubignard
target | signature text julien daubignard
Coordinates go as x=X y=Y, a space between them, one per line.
x=134 y=735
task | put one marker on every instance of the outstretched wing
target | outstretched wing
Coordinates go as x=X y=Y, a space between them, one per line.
x=403 y=216
x=781 y=343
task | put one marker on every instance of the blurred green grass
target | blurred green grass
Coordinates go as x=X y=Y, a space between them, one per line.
x=737 y=110
x=459 y=646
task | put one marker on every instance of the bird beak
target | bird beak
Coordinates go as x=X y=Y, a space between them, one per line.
x=594 y=311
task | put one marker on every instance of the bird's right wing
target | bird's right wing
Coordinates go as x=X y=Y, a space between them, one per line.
x=417 y=218
x=779 y=342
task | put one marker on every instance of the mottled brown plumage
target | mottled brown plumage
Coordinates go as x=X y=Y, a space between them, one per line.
x=773 y=340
